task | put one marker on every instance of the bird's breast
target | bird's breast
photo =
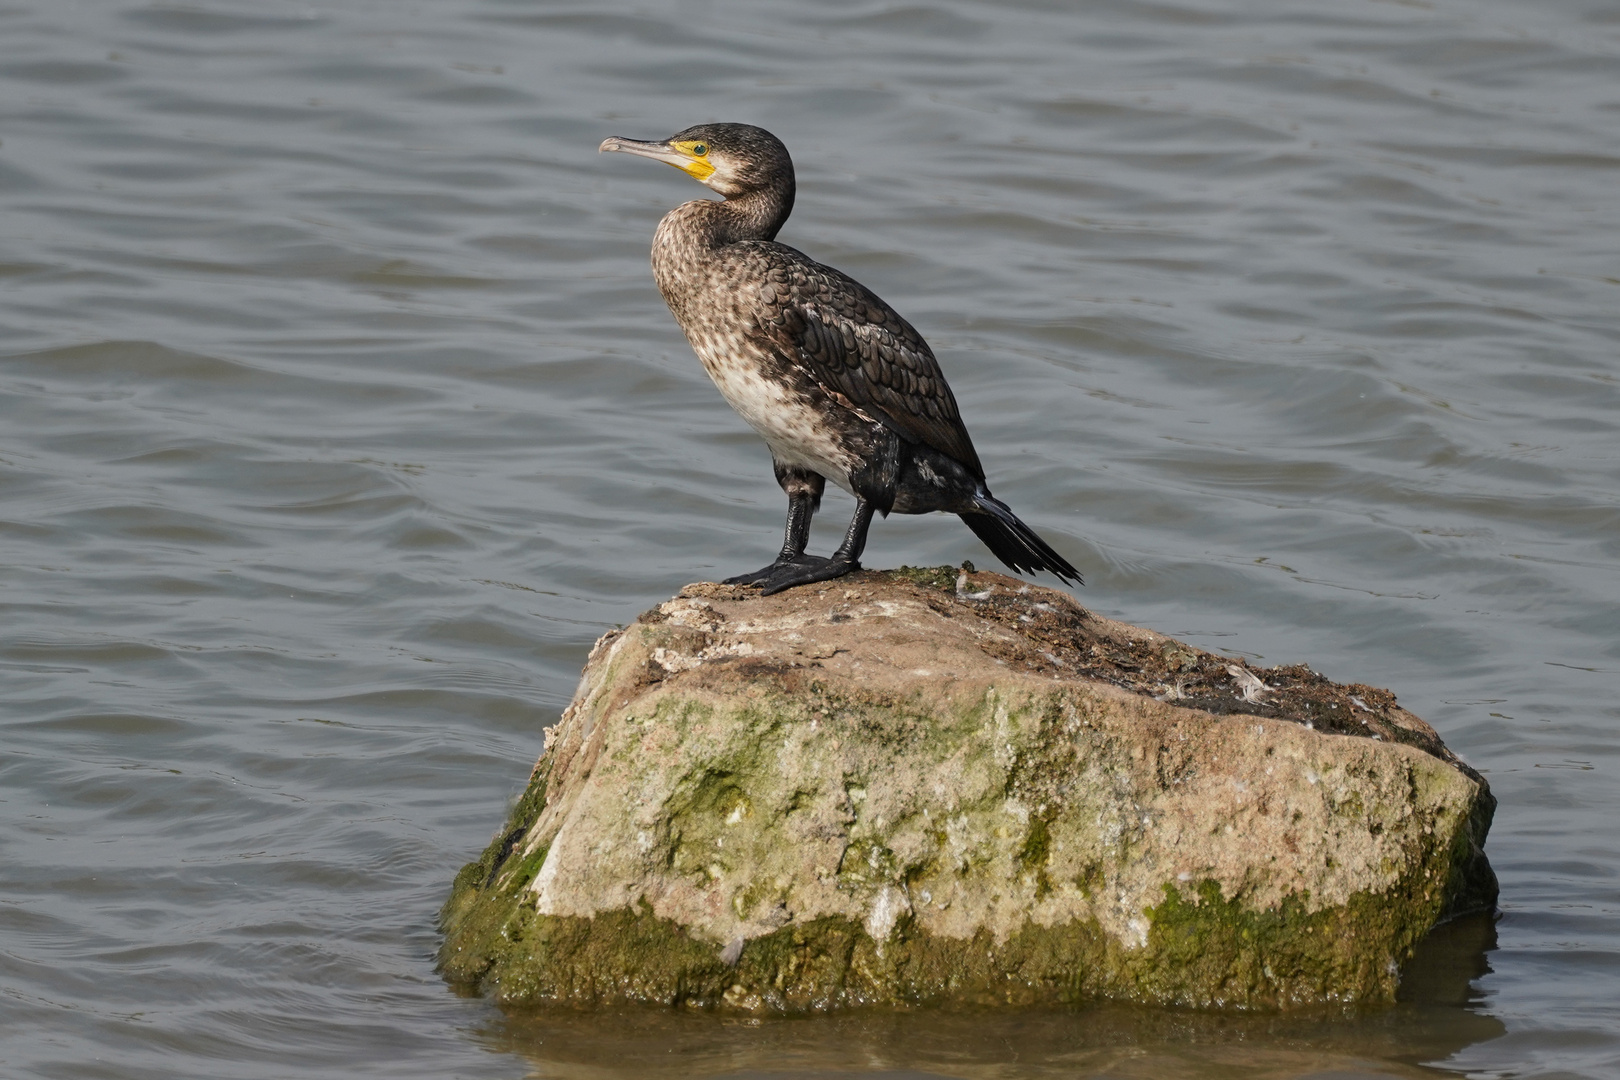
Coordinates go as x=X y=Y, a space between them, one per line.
x=716 y=298
x=793 y=417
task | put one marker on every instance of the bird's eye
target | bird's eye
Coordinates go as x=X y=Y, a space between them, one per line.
x=699 y=149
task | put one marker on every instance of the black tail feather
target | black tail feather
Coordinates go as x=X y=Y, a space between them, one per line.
x=1015 y=543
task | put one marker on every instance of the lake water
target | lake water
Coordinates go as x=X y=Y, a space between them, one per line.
x=340 y=416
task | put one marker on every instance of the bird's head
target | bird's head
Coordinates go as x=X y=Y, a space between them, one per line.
x=733 y=159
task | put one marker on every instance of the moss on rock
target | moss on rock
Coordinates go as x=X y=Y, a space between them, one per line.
x=847 y=796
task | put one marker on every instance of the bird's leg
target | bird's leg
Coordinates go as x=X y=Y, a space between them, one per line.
x=810 y=569
x=804 y=490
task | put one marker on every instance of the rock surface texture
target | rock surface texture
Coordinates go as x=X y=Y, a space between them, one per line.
x=932 y=786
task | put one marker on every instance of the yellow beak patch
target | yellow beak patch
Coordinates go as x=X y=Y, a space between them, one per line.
x=697 y=168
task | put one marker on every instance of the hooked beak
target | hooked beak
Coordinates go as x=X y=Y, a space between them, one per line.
x=658 y=151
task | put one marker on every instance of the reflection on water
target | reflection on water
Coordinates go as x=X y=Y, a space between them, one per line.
x=339 y=415
x=1114 y=1041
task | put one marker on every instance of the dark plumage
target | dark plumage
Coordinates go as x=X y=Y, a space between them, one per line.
x=838 y=384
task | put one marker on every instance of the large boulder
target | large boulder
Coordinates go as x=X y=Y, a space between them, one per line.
x=940 y=786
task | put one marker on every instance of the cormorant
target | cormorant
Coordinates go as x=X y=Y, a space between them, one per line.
x=837 y=383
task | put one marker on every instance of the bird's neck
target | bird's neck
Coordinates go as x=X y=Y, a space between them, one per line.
x=692 y=233
x=756 y=215
x=706 y=225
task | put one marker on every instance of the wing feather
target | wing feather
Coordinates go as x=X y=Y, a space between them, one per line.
x=859 y=349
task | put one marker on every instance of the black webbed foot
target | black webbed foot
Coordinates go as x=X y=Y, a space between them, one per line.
x=793 y=567
x=780 y=566
x=807 y=570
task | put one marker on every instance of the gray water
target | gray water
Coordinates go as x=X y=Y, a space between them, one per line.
x=340 y=415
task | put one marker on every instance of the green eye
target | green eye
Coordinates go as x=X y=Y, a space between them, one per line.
x=699 y=150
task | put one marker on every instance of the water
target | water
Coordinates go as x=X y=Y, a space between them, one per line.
x=340 y=415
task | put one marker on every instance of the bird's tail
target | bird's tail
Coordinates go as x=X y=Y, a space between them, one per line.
x=1013 y=542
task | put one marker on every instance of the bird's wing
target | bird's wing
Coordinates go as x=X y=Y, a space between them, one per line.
x=860 y=350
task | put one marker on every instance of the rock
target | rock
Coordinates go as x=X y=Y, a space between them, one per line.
x=937 y=786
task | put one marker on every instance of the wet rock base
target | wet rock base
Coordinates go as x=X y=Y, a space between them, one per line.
x=945 y=787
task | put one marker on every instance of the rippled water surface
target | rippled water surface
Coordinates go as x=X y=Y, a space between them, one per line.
x=340 y=415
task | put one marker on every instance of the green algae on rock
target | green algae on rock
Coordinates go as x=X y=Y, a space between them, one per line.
x=937 y=787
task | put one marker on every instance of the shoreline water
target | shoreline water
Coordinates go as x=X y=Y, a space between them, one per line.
x=341 y=414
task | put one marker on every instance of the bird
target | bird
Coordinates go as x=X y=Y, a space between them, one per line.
x=836 y=382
